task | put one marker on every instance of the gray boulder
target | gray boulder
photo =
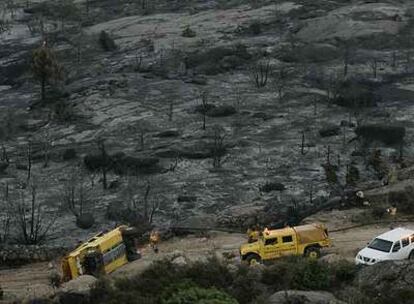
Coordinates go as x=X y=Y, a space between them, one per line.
x=389 y=281
x=77 y=290
x=82 y=284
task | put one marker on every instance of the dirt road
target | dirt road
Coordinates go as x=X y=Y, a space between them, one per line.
x=32 y=280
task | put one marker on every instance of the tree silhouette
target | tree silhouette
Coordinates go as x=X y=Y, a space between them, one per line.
x=45 y=67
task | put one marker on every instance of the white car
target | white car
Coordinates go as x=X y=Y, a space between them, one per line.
x=397 y=244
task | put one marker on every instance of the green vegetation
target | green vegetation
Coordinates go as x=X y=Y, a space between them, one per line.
x=45 y=67
x=218 y=59
x=107 y=43
x=189 y=293
x=212 y=281
x=307 y=274
x=188 y=32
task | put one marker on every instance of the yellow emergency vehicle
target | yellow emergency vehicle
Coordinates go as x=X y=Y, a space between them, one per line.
x=306 y=240
x=101 y=254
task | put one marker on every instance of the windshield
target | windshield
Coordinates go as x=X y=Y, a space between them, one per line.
x=381 y=245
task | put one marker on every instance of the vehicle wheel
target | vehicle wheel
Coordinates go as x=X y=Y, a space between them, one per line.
x=411 y=256
x=313 y=252
x=253 y=259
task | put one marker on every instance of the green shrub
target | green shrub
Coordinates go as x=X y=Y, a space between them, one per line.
x=297 y=273
x=311 y=53
x=163 y=281
x=107 y=43
x=245 y=286
x=255 y=28
x=189 y=293
x=63 y=111
x=272 y=186
x=216 y=274
x=218 y=59
x=311 y=275
x=355 y=94
x=69 y=154
x=343 y=272
x=377 y=162
x=387 y=134
x=330 y=173
x=188 y=32
x=378 y=213
x=352 y=175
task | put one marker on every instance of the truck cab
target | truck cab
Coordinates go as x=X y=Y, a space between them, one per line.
x=272 y=244
x=397 y=244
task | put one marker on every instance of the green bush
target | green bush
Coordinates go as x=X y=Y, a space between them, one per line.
x=356 y=94
x=63 y=111
x=352 y=175
x=309 y=53
x=218 y=59
x=311 y=275
x=255 y=28
x=387 y=134
x=189 y=293
x=307 y=274
x=343 y=272
x=107 y=43
x=163 y=281
x=330 y=173
x=188 y=32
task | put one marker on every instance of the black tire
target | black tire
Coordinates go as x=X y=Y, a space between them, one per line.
x=313 y=252
x=252 y=259
x=411 y=256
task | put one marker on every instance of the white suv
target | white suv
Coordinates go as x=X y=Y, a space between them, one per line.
x=397 y=244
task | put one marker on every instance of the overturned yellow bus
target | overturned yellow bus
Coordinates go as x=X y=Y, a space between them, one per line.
x=102 y=254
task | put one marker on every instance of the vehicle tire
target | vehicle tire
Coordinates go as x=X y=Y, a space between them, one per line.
x=253 y=259
x=313 y=252
x=411 y=256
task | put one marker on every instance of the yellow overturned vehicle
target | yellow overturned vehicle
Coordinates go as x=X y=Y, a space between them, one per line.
x=101 y=254
x=305 y=240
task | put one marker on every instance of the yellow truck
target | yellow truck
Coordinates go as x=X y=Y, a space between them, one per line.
x=101 y=254
x=306 y=240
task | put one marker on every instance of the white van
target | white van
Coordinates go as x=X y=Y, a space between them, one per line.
x=397 y=244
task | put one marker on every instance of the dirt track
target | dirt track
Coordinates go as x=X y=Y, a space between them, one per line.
x=31 y=280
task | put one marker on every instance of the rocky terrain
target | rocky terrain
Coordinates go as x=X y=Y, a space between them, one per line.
x=202 y=114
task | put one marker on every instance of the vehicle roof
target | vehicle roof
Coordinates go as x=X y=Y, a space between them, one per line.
x=396 y=234
x=290 y=230
x=277 y=232
x=96 y=240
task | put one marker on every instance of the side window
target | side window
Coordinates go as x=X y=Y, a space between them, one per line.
x=412 y=238
x=271 y=242
x=287 y=239
x=405 y=242
x=397 y=246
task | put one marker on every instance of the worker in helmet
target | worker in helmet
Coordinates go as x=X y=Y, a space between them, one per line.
x=154 y=240
x=253 y=234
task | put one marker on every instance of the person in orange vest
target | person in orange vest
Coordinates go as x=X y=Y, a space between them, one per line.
x=154 y=240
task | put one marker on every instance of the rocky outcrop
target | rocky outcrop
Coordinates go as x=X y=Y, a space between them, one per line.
x=392 y=281
x=77 y=290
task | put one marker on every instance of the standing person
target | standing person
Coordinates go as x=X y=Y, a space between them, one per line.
x=154 y=240
x=253 y=234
